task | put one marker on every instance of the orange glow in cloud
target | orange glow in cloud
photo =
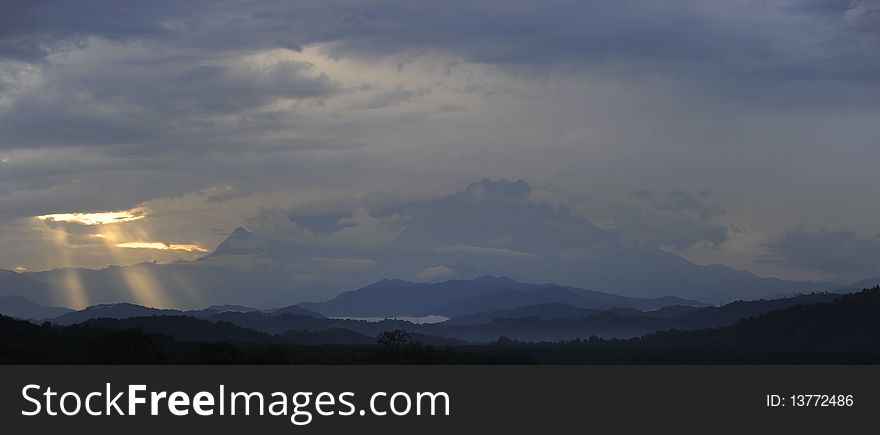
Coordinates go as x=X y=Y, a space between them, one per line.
x=161 y=246
x=100 y=218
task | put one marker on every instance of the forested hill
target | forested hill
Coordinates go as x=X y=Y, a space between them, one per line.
x=851 y=323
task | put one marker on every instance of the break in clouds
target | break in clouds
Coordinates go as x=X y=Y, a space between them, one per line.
x=371 y=139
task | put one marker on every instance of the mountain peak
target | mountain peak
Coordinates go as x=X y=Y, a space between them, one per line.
x=240 y=241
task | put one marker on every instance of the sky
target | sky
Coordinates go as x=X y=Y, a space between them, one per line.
x=734 y=132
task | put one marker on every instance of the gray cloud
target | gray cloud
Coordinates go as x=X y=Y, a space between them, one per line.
x=677 y=219
x=106 y=107
x=729 y=34
x=394 y=97
x=485 y=250
x=839 y=253
x=435 y=273
x=679 y=201
x=215 y=195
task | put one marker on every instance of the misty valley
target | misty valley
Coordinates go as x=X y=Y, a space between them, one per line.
x=487 y=320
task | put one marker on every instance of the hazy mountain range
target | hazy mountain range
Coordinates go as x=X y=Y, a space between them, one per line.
x=815 y=328
x=489 y=228
x=479 y=310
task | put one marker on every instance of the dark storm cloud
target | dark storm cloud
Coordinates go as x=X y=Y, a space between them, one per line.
x=841 y=253
x=177 y=77
x=490 y=31
x=32 y=29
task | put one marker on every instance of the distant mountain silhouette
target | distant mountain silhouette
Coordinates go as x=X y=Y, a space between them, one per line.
x=606 y=324
x=239 y=242
x=125 y=311
x=19 y=307
x=560 y=311
x=859 y=285
x=818 y=328
x=217 y=309
x=185 y=328
x=461 y=297
x=554 y=322
x=111 y=341
x=487 y=228
x=276 y=324
x=732 y=312
x=850 y=323
x=17 y=284
x=294 y=309
x=542 y=311
x=112 y=311
x=541 y=322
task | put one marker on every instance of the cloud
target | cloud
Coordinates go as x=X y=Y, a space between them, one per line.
x=483 y=250
x=435 y=273
x=679 y=201
x=162 y=246
x=343 y=265
x=394 y=97
x=359 y=230
x=843 y=254
x=216 y=195
x=103 y=94
x=105 y=107
x=863 y=13
x=676 y=219
x=95 y=218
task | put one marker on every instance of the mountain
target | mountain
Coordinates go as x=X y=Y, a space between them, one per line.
x=295 y=310
x=560 y=311
x=112 y=311
x=859 y=285
x=126 y=310
x=850 y=323
x=240 y=242
x=460 y=297
x=488 y=228
x=606 y=324
x=21 y=308
x=18 y=284
x=276 y=324
x=112 y=341
x=217 y=309
x=319 y=332
x=554 y=322
x=732 y=312
x=595 y=313
x=541 y=311
x=185 y=329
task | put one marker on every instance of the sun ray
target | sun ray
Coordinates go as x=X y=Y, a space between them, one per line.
x=142 y=285
x=74 y=290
